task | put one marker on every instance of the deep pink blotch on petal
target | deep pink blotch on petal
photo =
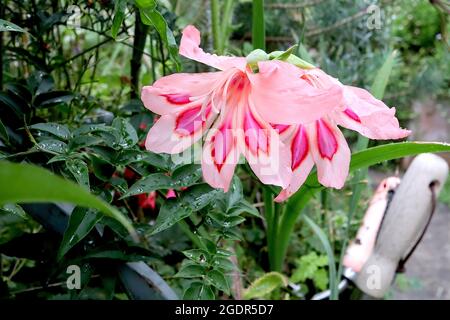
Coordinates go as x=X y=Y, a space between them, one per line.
x=177 y=98
x=222 y=143
x=280 y=127
x=299 y=147
x=255 y=134
x=326 y=140
x=191 y=120
x=352 y=115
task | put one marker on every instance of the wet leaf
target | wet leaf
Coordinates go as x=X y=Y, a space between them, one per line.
x=199 y=291
x=52 y=146
x=24 y=183
x=151 y=17
x=52 y=98
x=218 y=280
x=59 y=130
x=81 y=222
x=80 y=171
x=126 y=135
x=190 y=271
x=9 y=26
x=182 y=177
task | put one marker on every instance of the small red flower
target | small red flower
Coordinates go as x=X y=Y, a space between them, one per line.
x=147 y=200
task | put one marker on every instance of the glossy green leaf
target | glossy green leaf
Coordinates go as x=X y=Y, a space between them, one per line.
x=19 y=90
x=199 y=291
x=235 y=193
x=209 y=245
x=81 y=222
x=80 y=171
x=232 y=234
x=101 y=168
x=52 y=98
x=126 y=134
x=119 y=15
x=11 y=102
x=91 y=128
x=129 y=156
x=190 y=271
x=174 y=210
x=265 y=285
x=14 y=209
x=182 y=177
x=170 y=213
x=391 y=151
x=151 y=17
x=218 y=280
x=197 y=255
x=9 y=26
x=199 y=196
x=243 y=206
x=224 y=264
x=152 y=182
x=78 y=142
x=59 y=130
x=146 y=4
x=24 y=183
x=52 y=146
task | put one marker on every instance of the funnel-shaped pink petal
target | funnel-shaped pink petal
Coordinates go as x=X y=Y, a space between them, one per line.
x=169 y=94
x=220 y=154
x=265 y=153
x=190 y=48
x=369 y=116
x=301 y=162
x=331 y=154
x=282 y=96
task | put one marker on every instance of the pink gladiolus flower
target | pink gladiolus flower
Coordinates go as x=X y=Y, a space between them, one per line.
x=237 y=105
x=323 y=144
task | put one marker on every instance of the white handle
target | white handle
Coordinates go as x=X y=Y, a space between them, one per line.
x=403 y=223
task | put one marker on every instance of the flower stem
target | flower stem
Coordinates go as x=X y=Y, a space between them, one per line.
x=192 y=236
x=215 y=25
x=226 y=25
x=258 y=28
x=271 y=224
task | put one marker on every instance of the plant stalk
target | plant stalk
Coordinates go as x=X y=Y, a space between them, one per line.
x=271 y=224
x=140 y=37
x=258 y=26
x=215 y=25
